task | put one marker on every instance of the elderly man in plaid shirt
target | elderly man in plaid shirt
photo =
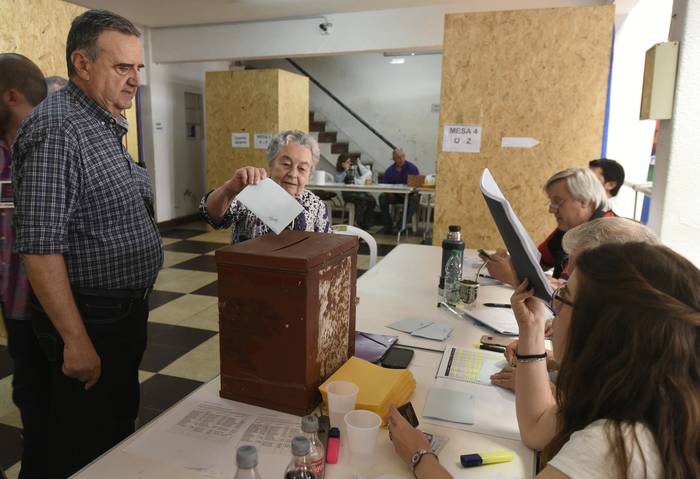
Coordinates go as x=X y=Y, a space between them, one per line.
x=90 y=244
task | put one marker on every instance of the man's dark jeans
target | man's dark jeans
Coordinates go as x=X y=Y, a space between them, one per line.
x=84 y=424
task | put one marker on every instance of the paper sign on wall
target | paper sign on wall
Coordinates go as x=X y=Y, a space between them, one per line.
x=240 y=140
x=262 y=140
x=462 y=138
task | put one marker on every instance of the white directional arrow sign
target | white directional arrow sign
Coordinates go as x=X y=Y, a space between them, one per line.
x=518 y=142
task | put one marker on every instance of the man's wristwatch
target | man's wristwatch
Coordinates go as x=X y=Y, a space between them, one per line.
x=415 y=460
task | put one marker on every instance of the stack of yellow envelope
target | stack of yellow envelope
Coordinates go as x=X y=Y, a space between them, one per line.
x=379 y=387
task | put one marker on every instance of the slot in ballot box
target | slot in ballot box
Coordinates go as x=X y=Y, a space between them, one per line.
x=286 y=317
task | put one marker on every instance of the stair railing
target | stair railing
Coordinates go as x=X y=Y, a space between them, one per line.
x=343 y=105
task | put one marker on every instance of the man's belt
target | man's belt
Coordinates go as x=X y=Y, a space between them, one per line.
x=141 y=293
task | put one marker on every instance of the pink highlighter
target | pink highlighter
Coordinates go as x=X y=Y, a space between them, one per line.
x=333 y=449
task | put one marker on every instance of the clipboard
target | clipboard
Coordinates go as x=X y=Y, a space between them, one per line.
x=523 y=252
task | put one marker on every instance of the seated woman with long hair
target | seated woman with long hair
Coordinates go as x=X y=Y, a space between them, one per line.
x=627 y=336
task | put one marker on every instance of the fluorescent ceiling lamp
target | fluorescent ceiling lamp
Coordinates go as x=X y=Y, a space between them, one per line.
x=412 y=54
x=397 y=61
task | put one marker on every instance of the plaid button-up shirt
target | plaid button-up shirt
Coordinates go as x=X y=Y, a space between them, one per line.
x=13 y=279
x=78 y=193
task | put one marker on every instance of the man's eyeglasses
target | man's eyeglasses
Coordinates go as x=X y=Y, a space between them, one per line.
x=557 y=297
x=557 y=205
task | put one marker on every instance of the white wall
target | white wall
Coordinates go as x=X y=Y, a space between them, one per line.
x=674 y=214
x=401 y=28
x=395 y=99
x=629 y=138
x=177 y=163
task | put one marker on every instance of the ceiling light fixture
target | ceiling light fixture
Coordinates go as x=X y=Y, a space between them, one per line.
x=397 y=61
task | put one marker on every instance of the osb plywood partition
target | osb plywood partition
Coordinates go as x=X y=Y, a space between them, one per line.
x=294 y=101
x=538 y=74
x=249 y=101
x=38 y=29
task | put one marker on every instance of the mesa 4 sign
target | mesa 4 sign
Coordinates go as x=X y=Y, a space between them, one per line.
x=461 y=138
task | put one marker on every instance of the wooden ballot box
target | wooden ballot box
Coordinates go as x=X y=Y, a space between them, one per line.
x=286 y=316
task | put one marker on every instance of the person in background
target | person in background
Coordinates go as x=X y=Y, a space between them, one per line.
x=610 y=173
x=397 y=174
x=577 y=240
x=575 y=197
x=292 y=155
x=89 y=242
x=22 y=88
x=363 y=201
x=55 y=83
x=628 y=393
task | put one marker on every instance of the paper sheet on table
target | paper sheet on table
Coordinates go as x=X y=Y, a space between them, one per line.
x=435 y=331
x=409 y=325
x=204 y=436
x=450 y=405
x=494 y=409
x=271 y=203
x=471 y=365
x=501 y=320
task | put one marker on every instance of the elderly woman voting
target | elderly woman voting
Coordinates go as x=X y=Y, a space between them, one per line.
x=292 y=156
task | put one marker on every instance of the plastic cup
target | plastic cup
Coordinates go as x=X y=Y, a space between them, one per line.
x=341 y=399
x=362 y=428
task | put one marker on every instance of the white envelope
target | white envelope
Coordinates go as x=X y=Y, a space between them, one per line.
x=271 y=203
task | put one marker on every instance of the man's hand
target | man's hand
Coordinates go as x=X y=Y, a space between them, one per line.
x=248 y=175
x=81 y=361
x=501 y=267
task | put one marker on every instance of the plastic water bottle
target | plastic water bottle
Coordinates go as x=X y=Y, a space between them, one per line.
x=453 y=275
x=300 y=465
x=309 y=426
x=453 y=242
x=247 y=462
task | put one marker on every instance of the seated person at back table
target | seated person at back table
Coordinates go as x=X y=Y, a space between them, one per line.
x=397 y=174
x=575 y=197
x=610 y=173
x=577 y=240
x=292 y=156
x=363 y=201
x=628 y=400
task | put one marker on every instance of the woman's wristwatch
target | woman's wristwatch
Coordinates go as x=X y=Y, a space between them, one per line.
x=415 y=460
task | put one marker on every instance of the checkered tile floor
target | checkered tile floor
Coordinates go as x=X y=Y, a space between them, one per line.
x=183 y=340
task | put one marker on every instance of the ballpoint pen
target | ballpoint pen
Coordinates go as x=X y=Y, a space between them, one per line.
x=498 y=305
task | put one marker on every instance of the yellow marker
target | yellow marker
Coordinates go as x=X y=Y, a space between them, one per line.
x=483 y=458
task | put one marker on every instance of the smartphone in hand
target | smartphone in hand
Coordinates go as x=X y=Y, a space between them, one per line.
x=484 y=254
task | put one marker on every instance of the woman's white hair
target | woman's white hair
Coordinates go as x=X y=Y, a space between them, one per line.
x=601 y=231
x=293 y=136
x=583 y=185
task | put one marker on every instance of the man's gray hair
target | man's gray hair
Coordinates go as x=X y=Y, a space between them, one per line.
x=293 y=136
x=85 y=30
x=601 y=231
x=583 y=185
x=55 y=83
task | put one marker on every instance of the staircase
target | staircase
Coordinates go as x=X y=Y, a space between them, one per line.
x=332 y=144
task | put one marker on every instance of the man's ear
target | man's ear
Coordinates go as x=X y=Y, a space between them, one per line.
x=610 y=185
x=82 y=64
x=12 y=97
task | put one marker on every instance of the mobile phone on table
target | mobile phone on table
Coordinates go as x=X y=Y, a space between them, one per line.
x=409 y=414
x=484 y=254
x=495 y=341
x=397 y=358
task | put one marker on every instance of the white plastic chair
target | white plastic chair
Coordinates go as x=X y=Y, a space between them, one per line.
x=362 y=234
